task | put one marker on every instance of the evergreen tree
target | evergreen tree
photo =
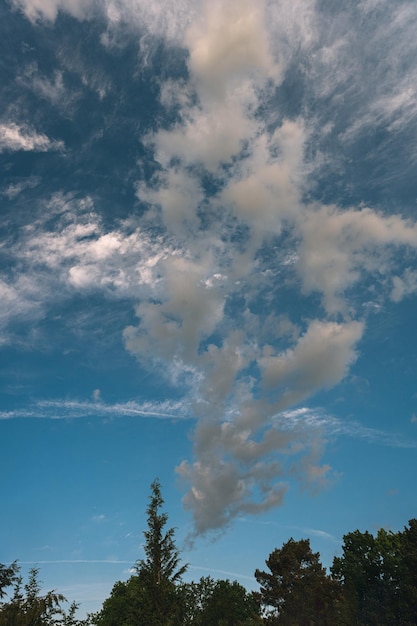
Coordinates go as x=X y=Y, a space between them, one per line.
x=150 y=597
x=160 y=570
x=297 y=590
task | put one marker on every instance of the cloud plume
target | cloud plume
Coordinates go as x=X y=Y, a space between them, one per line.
x=248 y=267
x=238 y=380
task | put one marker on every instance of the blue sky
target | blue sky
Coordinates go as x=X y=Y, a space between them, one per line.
x=207 y=274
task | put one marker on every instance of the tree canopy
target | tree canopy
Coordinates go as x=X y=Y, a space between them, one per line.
x=297 y=591
x=379 y=577
x=28 y=606
x=373 y=582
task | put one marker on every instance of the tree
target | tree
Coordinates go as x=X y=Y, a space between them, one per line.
x=231 y=605
x=358 y=570
x=297 y=590
x=162 y=555
x=28 y=607
x=124 y=606
x=160 y=570
x=194 y=597
x=371 y=571
x=8 y=576
x=210 y=602
x=408 y=591
x=379 y=577
x=151 y=596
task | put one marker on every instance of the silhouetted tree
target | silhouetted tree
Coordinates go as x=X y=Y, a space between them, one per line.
x=297 y=590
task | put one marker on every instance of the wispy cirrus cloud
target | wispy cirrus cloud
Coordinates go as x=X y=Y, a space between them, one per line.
x=67 y=409
x=332 y=426
x=70 y=561
x=14 y=137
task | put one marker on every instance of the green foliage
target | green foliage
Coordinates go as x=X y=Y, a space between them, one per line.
x=8 y=576
x=359 y=572
x=297 y=590
x=372 y=583
x=193 y=598
x=379 y=577
x=210 y=602
x=230 y=605
x=160 y=571
x=151 y=597
x=29 y=607
x=123 y=606
x=408 y=590
x=162 y=555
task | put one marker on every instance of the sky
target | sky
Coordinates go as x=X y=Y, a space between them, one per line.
x=208 y=275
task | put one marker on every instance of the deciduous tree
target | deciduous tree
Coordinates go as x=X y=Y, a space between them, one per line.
x=231 y=605
x=28 y=606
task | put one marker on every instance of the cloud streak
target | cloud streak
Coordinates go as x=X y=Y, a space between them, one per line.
x=67 y=409
x=14 y=137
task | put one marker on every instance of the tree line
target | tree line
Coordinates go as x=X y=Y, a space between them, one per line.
x=372 y=583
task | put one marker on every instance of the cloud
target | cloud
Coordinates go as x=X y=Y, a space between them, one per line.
x=228 y=43
x=339 y=247
x=247 y=284
x=332 y=426
x=48 y=9
x=14 y=189
x=238 y=379
x=320 y=359
x=75 y=409
x=69 y=561
x=66 y=250
x=14 y=137
x=405 y=285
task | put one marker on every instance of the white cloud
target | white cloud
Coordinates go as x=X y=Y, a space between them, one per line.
x=227 y=43
x=178 y=194
x=75 y=409
x=331 y=426
x=48 y=9
x=320 y=359
x=14 y=137
x=211 y=291
x=261 y=173
x=75 y=254
x=338 y=247
x=405 y=285
x=14 y=189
